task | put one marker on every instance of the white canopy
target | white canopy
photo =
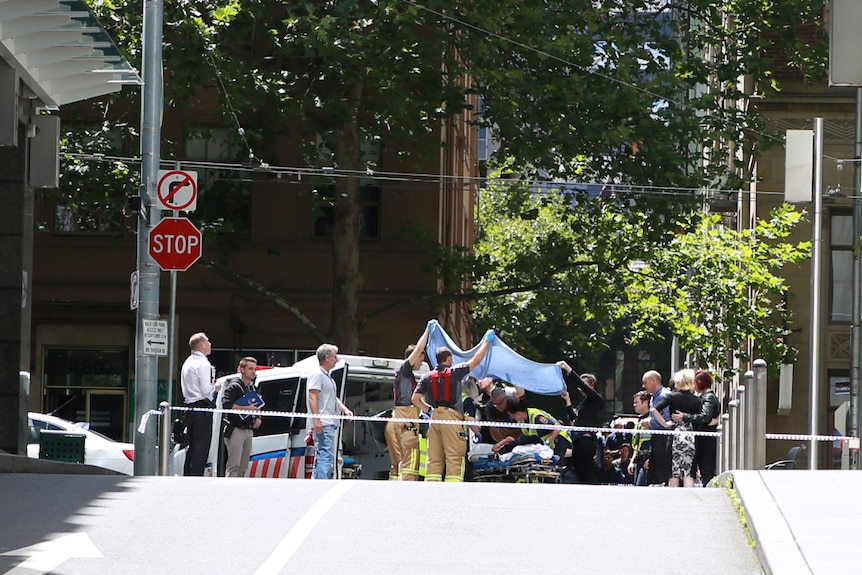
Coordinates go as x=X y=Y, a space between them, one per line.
x=61 y=51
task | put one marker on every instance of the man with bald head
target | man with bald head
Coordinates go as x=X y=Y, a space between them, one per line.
x=658 y=472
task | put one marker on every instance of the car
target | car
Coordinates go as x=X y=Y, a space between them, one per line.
x=99 y=451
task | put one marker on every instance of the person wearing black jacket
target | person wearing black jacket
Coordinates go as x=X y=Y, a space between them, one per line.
x=682 y=399
x=588 y=413
x=705 y=447
x=239 y=429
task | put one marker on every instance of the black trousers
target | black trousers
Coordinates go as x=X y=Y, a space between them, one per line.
x=705 y=455
x=199 y=427
x=659 y=459
x=584 y=459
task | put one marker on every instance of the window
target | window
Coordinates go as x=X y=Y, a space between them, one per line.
x=83 y=219
x=369 y=196
x=88 y=384
x=86 y=368
x=225 y=361
x=841 y=279
x=369 y=201
x=224 y=201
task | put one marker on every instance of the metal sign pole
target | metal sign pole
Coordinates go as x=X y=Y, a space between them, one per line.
x=147 y=366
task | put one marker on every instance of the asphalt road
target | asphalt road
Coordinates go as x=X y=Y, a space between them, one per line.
x=77 y=524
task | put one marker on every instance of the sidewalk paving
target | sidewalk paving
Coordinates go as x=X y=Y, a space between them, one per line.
x=802 y=521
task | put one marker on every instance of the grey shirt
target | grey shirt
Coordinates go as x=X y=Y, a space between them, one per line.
x=405 y=384
x=326 y=404
x=425 y=387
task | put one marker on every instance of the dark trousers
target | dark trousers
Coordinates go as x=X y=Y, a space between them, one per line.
x=659 y=460
x=705 y=457
x=199 y=427
x=584 y=459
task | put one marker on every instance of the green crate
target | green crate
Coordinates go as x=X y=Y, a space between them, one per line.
x=61 y=446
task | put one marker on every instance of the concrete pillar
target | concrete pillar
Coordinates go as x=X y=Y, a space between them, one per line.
x=16 y=255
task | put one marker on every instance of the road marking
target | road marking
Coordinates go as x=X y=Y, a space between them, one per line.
x=303 y=527
x=46 y=556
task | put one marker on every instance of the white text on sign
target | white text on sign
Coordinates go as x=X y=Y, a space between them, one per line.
x=174 y=244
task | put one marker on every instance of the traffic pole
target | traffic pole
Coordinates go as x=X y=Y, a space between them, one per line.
x=147 y=366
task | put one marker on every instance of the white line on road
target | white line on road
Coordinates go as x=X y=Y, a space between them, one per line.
x=46 y=556
x=295 y=537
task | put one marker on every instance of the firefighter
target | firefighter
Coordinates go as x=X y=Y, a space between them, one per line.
x=439 y=395
x=404 y=443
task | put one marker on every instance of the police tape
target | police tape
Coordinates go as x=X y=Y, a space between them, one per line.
x=485 y=423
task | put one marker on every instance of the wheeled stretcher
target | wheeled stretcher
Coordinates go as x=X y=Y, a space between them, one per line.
x=521 y=468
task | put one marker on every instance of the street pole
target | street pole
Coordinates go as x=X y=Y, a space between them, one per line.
x=853 y=415
x=816 y=241
x=147 y=366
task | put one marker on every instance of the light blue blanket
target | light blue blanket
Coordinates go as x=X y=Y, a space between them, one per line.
x=502 y=362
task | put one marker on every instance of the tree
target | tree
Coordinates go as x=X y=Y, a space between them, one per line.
x=587 y=267
x=624 y=91
x=718 y=288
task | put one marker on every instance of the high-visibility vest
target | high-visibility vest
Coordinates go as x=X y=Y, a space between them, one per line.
x=532 y=415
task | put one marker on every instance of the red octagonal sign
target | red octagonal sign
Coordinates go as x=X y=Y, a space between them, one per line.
x=175 y=244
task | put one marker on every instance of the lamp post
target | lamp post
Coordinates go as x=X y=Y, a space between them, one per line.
x=816 y=241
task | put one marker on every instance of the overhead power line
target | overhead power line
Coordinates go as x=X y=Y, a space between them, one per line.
x=281 y=173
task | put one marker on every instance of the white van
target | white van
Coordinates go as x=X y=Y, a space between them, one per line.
x=365 y=385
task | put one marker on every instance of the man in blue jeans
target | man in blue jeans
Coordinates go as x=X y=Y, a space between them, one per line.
x=323 y=400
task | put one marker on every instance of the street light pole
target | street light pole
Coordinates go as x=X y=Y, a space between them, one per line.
x=147 y=366
x=816 y=241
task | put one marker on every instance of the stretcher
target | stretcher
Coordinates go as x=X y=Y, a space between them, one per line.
x=523 y=468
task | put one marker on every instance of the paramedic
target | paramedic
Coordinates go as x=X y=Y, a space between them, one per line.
x=558 y=440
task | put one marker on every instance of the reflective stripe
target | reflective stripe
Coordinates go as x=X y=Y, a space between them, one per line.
x=423 y=455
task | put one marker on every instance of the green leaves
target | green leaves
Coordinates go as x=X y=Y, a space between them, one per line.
x=567 y=272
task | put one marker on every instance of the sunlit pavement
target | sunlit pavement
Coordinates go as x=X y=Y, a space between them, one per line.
x=77 y=524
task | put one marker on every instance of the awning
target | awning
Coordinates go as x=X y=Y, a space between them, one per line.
x=61 y=51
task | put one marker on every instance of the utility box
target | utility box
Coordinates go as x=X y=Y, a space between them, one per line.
x=61 y=446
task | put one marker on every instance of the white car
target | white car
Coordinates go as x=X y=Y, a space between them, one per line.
x=99 y=450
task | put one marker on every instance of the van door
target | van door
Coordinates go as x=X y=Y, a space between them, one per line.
x=271 y=448
x=339 y=375
x=287 y=395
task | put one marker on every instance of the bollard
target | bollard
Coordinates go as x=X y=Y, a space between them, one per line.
x=757 y=404
x=732 y=435
x=741 y=432
x=747 y=420
x=719 y=447
x=725 y=442
x=164 y=438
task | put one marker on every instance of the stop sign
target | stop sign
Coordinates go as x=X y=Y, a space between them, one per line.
x=175 y=244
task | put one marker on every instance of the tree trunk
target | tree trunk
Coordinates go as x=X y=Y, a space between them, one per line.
x=346 y=273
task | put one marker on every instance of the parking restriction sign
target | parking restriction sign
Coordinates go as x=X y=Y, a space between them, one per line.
x=155 y=337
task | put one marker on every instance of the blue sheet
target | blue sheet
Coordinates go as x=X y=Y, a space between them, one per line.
x=502 y=362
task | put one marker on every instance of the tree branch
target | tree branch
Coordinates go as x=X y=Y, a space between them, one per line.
x=270 y=295
x=471 y=294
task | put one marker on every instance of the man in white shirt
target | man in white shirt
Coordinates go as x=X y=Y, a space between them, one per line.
x=198 y=385
x=323 y=400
